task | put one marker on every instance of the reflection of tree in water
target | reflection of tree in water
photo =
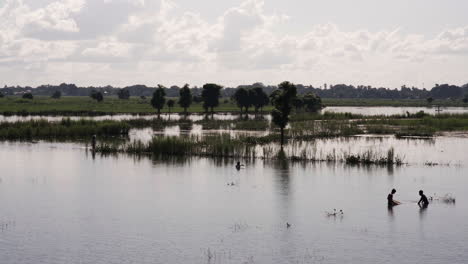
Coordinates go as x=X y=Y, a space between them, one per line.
x=282 y=171
x=186 y=126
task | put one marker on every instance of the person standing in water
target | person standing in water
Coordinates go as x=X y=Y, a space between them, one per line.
x=93 y=142
x=390 y=201
x=238 y=165
x=423 y=202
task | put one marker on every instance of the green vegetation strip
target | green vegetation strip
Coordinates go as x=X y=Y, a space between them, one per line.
x=86 y=106
x=66 y=129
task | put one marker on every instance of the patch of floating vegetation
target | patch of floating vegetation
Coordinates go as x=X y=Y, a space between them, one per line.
x=226 y=146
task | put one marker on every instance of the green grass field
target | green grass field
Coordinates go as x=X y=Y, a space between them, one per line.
x=43 y=105
x=87 y=106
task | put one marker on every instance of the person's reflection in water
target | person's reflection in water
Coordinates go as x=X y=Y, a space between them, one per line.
x=422 y=212
x=391 y=216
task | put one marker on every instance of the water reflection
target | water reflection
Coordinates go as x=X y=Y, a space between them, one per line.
x=282 y=172
x=166 y=117
x=169 y=209
x=384 y=110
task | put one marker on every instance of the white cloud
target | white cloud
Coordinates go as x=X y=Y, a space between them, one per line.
x=145 y=40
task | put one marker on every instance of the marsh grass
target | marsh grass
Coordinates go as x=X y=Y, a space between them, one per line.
x=226 y=146
x=65 y=129
x=372 y=158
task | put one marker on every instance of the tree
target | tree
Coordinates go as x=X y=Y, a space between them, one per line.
x=197 y=99
x=430 y=100
x=159 y=99
x=465 y=100
x=282 y=102
x=243 y=99
x=185 y=99
x=445 y=91
x=56 y=95
x=170 y=104
x=1 y=95
x=312 y=102
x=298 y=103
x=210 y=94
x=260 y=98
x=123 y=94
x=97 y=96
x=28 y=96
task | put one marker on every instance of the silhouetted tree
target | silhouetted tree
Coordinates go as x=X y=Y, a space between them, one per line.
x=159 y=98
x=210 y=94
x=123 y=94
x=430 y=100
x=1 y=95
x=197 y=99
x=282 y=101
x=170 y=104
x=445 y=91
x=28 y=96
x=312 y=102
x=260 y=98
x=185 y=99
x=298 y=103
x=465 y=100
x=97 y=96
x=56 y=95
x=243 y=99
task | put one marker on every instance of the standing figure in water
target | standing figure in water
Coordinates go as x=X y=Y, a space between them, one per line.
x=423 y=202
x=93 y=143
x=239 y=165
x=390 y=201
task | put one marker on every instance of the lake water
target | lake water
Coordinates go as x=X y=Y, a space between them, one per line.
x=228 y=116
x=59 y=204
x=384 y=110
x=192 y=117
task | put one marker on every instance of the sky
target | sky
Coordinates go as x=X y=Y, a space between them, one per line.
x=232 y=42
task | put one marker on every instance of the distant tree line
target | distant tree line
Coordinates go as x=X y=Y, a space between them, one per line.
x=443 y=91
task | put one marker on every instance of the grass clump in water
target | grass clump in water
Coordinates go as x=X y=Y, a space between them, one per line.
x=371 y=158
x=65 y=129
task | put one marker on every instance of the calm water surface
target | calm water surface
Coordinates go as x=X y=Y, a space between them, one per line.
x=58 y=204
x=384 y=110
x=365 y=110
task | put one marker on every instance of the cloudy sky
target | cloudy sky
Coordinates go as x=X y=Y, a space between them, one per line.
x=231 y=42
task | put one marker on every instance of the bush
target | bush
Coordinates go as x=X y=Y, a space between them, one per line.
x=28 y=96
x=57 y=95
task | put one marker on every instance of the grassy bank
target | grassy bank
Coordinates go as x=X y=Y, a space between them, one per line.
x=424 y=126
x=85 y=106
x=66 y=129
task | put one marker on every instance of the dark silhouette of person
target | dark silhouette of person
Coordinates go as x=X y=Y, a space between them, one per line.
x=390 y=201
x=238 y=165
x=93 y=142
x=423 y=202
